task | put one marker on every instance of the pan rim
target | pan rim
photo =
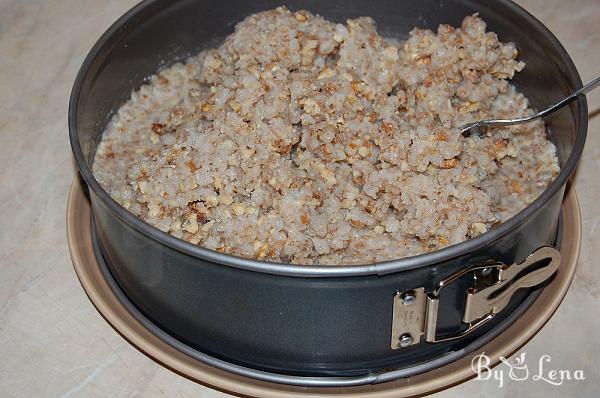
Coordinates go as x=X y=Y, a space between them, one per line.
x=313 y=271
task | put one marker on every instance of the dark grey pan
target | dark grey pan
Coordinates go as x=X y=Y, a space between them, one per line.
x=306 y=321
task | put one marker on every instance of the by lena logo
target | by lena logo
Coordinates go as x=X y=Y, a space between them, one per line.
x=519 y=370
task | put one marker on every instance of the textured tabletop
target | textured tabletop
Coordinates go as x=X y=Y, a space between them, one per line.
x=53 y=343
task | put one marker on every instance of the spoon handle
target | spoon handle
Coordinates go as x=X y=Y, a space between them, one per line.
x=466 y=129
x=583 y=90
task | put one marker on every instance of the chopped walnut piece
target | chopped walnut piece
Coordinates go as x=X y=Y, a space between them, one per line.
x=449 y=163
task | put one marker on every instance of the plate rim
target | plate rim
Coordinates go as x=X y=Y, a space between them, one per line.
x=511 y=340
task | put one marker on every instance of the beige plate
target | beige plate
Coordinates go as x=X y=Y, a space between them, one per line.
x=89 y=273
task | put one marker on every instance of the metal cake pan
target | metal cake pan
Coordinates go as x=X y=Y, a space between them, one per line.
x=314 y=321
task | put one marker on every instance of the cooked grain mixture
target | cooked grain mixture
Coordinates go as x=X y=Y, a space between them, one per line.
x=305 y=141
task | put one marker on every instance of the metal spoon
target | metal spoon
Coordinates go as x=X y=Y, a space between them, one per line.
x=470 y=128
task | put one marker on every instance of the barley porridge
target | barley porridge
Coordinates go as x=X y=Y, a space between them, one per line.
x=305 y=141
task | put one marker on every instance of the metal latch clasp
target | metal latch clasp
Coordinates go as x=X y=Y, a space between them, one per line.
x=415 y=312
